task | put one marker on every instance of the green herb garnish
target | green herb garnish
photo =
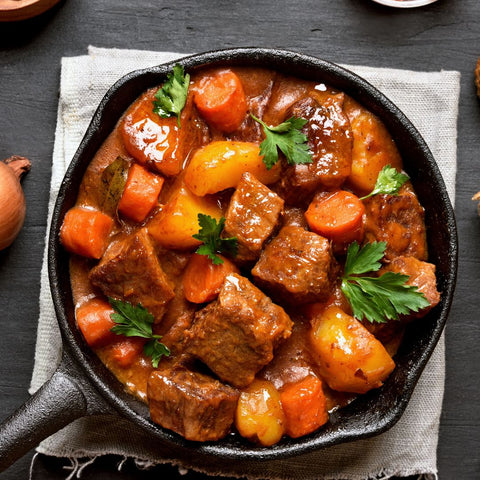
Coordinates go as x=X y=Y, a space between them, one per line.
x=388 y=181
x=288 y=138
x=137 y=321
x=210 y=234
x=378 y=299
x=171 y=97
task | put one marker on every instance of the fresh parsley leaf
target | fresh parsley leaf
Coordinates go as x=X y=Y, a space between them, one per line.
x=137 y=321
x=288 y=138
x=156 y=349
x=210 y=234
x=388 y=181
x=131 y=321
x=171 y=97
x=365 y=259
x=377 y=299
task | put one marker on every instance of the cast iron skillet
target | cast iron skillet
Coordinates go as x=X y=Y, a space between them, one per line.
x=83 y=386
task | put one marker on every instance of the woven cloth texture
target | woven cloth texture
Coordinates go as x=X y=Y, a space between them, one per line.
x=430 y=100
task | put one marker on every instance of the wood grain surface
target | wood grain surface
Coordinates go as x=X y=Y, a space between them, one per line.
x=443 y=35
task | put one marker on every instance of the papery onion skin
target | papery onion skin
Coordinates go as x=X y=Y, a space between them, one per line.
x=12 y=200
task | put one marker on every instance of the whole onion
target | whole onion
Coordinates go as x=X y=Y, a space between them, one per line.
x=12 y=199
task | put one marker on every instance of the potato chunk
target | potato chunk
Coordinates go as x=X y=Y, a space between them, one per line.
x=350 y=358
x=175 y=224
x=373 y=148
x=220 y=165
x=259 y=414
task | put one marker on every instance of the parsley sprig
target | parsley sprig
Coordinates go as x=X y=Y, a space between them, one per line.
x=288 y=138
x=378 y=299
x=137 y=321
x=210 y=234
x=388 y=181
x=171 y=97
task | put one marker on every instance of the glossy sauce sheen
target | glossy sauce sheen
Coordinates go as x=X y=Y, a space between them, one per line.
x=278 y=258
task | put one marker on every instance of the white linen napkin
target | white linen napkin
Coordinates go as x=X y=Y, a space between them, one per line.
x=430 y=100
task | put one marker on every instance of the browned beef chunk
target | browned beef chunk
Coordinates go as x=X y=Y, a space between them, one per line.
x=389 y=333
x=235 y=335
x=194 y=132
x=172 y=263
x=285 y=93
x=177 y=318
x=399 y=221
x=422 y=275
x=257 y=85
x=296 y=267
x=252 y=215
x=258 y=93
x=292 y=361
x=179 y=312
x=130 y=271
x=330 y=141
x=191 y=404
x=294 y=216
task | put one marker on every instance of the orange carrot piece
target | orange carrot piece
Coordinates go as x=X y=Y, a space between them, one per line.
x=337 y=216
x=304 y=405
x=85 y=231
x=150 y=139
x=140 y=194
x=202 y=279
x=221 y=100
x=124 y=352
x=95 y=323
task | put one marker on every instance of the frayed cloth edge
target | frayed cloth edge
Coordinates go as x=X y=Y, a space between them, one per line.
x=82 y=459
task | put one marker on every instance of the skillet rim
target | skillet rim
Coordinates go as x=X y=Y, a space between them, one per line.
x=338 y=430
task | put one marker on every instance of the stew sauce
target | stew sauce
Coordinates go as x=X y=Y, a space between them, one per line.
x=266 y=330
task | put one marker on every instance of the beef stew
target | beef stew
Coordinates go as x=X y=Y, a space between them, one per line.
x=271 y=330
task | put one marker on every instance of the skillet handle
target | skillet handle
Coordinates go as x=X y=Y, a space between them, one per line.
x=58 y=402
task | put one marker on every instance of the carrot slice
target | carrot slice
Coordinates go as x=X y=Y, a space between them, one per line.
x=140 y=194
x=85 y=231
x=150 y=139
x=95 y=323
x=203 y=280
x=124 y=352
x=221 y=100
x=304 y=406
x=337 y=216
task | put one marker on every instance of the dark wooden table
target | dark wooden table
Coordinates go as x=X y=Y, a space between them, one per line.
x=445 y=35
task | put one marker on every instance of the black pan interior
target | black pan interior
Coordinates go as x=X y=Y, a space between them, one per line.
x=368 y=415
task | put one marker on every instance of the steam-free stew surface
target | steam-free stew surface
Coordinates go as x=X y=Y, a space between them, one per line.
x=261 y=337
